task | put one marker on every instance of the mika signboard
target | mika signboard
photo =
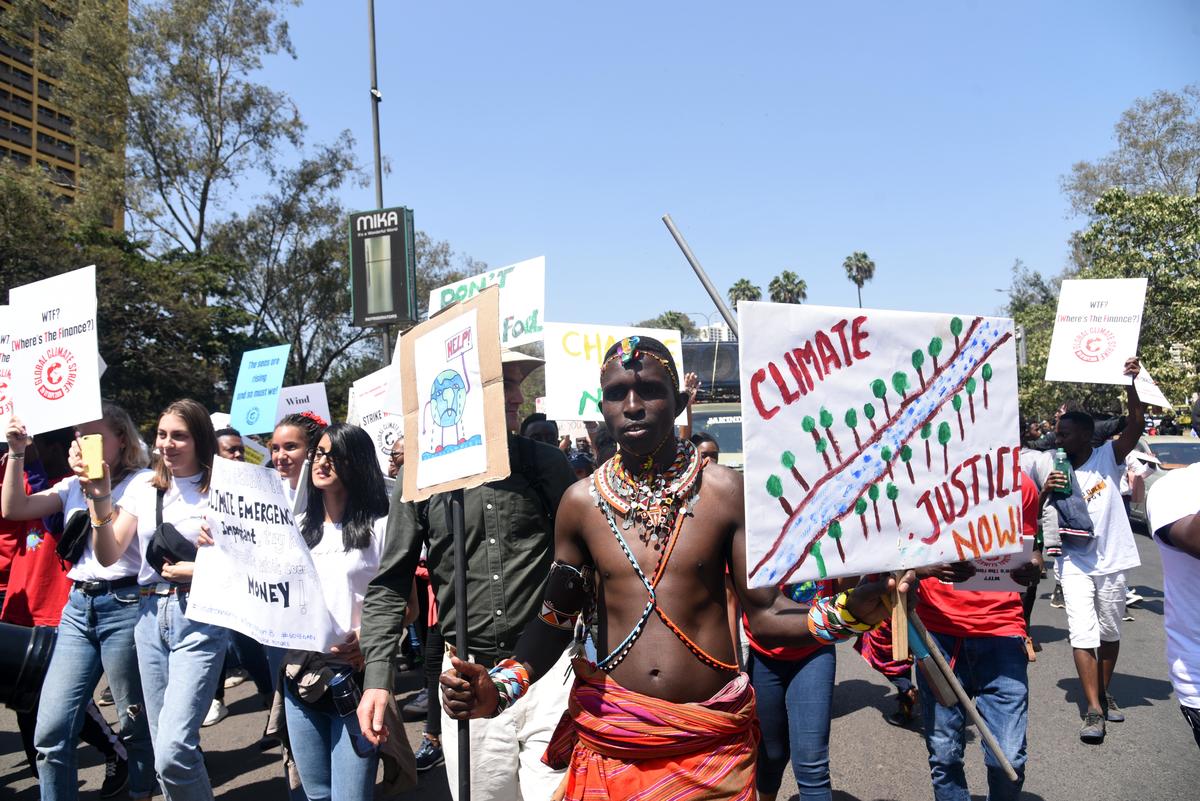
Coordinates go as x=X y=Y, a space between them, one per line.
x=383 y=267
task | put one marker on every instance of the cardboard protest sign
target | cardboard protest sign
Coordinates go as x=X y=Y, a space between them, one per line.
x=6 y=388
x=574 y=356
x=453 y=392
x=994 y=573
x=875 y=440
x=1096 y=328
x=372 y=410
x=522 y=298
x=258 y=577
x=256 y=393
x=303 y=398
x=55 y=361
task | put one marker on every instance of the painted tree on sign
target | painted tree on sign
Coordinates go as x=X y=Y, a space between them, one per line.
x=956 y=402
x=788 y=460
x=851 y=419
x=935 y=350
x=944 y=435
x=893 y=492
x=918 y=361
x=879 y=390
x=971 y=386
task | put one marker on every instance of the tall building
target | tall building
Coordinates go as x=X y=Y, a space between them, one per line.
x=717 y=332
x=32 y=128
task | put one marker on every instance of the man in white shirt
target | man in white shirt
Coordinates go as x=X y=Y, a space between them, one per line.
x=1092 y=569
x=1173 y=508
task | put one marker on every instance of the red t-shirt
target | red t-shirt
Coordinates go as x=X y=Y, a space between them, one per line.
x=956 y=613
x=789 y=653
x=37 y=582
x=11 y=532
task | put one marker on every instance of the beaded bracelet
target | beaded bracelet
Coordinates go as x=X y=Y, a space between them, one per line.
x=825 y=624
x=852 y=623
x=511 y=680
x=98 y=523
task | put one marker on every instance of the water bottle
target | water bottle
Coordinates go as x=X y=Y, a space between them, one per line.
x=343 y=689
x=1063 y=465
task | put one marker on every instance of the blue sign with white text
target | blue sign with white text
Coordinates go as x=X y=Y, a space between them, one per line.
x=256 y=394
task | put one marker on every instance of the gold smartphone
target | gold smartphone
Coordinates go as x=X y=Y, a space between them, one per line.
x=91 y=448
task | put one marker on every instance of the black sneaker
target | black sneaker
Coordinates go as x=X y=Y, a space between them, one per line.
x=417 y=708
x=1056 y=598
x=1112 y=712
x=429 y=756
x=116 y=776
x=1092 y=730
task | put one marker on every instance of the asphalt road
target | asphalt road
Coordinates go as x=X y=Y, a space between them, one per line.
x=1150 y=756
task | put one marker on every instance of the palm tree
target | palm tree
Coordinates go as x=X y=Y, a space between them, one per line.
x=859 y=269
x=743 y=290
x=787 y=287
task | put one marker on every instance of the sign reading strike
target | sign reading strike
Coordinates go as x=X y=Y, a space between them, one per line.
x=574 y=355
x=522 y=298
x=256 y=393
x=876 y=440
x=375 y=412
x=1096 y=329
x=258 y=577
x=55 y=361
x=303 y=398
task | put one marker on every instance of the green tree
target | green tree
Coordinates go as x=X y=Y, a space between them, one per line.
x=787 y=287
x=674 y=320
x=859 y=270
x=742 y=289
x=1158 y=150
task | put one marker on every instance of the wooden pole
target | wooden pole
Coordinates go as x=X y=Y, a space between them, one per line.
x=964 y=699
x=899 y=624
x=459 y=530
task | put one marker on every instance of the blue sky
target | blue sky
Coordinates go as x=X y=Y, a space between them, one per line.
x=777 y=135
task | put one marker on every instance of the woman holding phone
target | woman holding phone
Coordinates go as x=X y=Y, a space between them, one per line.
x=179 y=659
x=96 y=631
x=343 y=524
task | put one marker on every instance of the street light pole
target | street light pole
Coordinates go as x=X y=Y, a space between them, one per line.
x=376 y=99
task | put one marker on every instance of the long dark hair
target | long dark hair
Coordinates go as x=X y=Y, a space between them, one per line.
x=353 y=455
x=309 y=424
x=199 y=425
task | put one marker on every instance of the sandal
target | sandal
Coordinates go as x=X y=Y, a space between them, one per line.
x=906 y=703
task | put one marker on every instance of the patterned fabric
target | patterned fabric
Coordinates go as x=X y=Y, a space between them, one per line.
x=876 y=647
x=616 y=743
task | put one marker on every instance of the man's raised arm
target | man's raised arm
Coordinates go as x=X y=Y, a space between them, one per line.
x=1136 y=422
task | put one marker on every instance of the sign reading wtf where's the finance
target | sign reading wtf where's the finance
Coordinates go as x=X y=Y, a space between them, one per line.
x=55 y=366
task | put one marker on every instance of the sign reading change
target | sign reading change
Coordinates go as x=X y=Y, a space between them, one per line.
x=258 y=577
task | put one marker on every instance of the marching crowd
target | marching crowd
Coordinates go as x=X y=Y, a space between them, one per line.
x=619 y=558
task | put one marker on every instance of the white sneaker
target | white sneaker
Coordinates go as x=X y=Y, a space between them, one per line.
x=216 y=713
x=1132 y=598
x=234 y=677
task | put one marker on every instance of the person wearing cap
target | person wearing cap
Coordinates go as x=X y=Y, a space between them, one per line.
x=510 y=544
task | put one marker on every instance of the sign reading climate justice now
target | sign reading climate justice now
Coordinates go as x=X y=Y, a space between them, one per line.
x=1096 y=328
x=55 y=363
x=258 y=577
x=256 y=393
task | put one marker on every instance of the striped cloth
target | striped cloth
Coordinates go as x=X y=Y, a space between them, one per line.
x=620 y=744
x=876 y=647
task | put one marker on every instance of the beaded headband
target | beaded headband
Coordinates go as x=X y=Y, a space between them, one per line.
x=628 y=350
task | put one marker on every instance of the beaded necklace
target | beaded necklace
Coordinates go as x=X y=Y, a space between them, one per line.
x=652 y=500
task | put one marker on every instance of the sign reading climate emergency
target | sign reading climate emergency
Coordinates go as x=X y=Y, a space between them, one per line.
x=55 y=364
x=258 y=577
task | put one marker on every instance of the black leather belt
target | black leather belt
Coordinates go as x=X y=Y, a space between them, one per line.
x=101 y=587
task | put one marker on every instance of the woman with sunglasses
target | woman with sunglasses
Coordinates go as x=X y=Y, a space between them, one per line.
x=343 y=523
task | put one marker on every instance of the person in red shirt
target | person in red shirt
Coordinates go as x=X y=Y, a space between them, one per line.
x=982 y=635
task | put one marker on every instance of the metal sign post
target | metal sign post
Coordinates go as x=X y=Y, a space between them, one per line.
x=459 y=529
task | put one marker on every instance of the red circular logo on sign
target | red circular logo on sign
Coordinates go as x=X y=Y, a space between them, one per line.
x=55 y=373
x=1094 y=344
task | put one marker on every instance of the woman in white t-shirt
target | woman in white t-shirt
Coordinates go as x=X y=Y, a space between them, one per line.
x=343 y=523
x=292 y=443
x=179 y=659
x=96 y=630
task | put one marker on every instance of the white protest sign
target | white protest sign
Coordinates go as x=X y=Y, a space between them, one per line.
x=994 y=573
x=6 y=389
x=258 y=577
x=55 y=361
x=522 y=298
x=875 y=440
x=574 y=356
x=370 y=410
x=303 y=398
x=1096 y=329
x=1148 y=391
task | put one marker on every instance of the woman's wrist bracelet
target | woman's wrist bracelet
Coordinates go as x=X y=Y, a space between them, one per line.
x=96 y=498
x=20 y=455
x=101 y=523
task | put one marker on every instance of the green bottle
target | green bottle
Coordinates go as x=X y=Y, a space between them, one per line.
x=1063 y=465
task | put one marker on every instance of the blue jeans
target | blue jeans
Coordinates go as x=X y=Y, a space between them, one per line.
x=993 y=672
x=794 y=700
x=94 y=635
x=324 y=752
x=180 y=662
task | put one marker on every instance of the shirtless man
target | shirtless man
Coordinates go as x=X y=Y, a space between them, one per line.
x=687 y=715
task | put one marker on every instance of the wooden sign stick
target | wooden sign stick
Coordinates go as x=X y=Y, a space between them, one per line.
x=963 y=698
x=899 y=624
